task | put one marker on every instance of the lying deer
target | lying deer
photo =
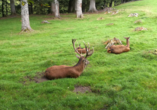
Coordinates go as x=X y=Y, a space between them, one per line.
x=133 y=14
x=75 y=71
x=112 y=42
x=82 y=50
x=140 y=28
x=119 y=48
x=115 y=12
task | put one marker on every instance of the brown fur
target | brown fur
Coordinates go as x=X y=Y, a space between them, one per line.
x=112 y=42
x=117 y=49
x=106 y=42
x=82 y=50
x=140 y=29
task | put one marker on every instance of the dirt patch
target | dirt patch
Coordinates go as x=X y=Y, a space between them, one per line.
x=45 y=22
x=138 y=22
x=82 y=89
x=101 y=18
x=10 y=16
x=39 y=77
x=110 y=24
x=140 y=29
x=52 y=18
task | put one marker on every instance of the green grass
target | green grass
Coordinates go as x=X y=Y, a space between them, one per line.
x=126 y=81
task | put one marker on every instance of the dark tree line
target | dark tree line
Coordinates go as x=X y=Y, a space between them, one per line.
x=12 y=7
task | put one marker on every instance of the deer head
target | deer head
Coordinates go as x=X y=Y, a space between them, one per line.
x=81 y=57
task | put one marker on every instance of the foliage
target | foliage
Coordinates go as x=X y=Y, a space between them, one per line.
x=43 y=6
x=127 y=81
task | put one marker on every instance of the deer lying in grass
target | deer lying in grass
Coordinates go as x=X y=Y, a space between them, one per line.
x=133 y=14
x=115 y=12
x=140 y=29
x=75 y=71
x=117 y=49
x=82 y=50
x=112 y=42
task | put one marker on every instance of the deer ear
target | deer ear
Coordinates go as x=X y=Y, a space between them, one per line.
x=78 y=56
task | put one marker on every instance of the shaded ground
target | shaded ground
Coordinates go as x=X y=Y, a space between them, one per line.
x=39 y=77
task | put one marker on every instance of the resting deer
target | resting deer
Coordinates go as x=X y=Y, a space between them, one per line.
x=82 y=50
x=119 y=48
x=75 y=71
x=133 y=14
x=112 y=42
x=140 y=28
x=115 y=12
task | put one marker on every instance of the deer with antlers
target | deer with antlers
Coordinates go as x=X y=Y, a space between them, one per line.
x=117 y=49
x=75 y=71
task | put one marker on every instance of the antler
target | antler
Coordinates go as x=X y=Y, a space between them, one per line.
x=88 y=53
x=73 y=42
x=89 y=46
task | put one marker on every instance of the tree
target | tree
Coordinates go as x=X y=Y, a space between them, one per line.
x=92 y=7
x=25 y=16
x=78 y=8
x=55 y=8
x=12 y=5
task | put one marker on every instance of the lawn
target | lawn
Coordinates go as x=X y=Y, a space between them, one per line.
x=126 y=81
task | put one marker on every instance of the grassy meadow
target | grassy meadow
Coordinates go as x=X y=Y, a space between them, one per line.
x=126 y=81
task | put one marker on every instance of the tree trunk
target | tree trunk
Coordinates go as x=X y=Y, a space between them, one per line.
x=78 y=8
x=3 y=8
x=25 y=16
x=92 y=7
x=55 y=8
x=12 y=6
